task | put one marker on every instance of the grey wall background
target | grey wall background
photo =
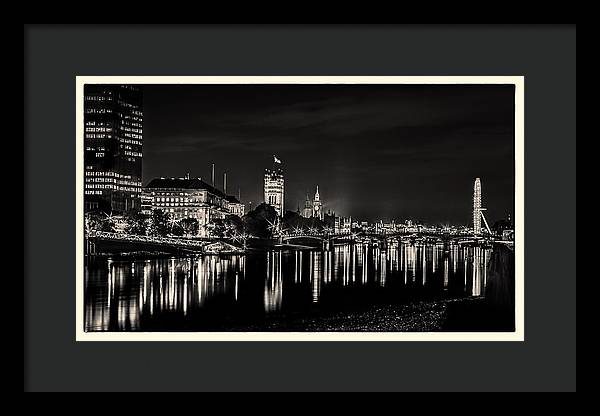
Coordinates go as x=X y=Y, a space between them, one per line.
x=546 y=55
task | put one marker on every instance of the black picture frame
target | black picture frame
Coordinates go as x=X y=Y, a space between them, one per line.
x=55 y=55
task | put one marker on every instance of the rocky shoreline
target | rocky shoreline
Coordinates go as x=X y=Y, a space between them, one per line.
x=420 y=316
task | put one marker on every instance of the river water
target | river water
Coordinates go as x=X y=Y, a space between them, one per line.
x=267 y=289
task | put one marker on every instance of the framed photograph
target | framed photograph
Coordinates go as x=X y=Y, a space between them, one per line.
x=300 y=208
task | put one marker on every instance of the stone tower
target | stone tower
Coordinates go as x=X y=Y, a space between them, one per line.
x=317 y=206
x=274 y=189
x=307 y=211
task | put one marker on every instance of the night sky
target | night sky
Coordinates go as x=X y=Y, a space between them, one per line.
x=376 y=151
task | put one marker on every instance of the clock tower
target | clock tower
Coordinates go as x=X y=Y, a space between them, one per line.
x=317 y=206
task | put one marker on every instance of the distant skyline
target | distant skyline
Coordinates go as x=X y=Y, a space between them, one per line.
x=376 y=151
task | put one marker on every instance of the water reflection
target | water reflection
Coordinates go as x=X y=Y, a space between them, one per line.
x=274 y=282
x=152 y=293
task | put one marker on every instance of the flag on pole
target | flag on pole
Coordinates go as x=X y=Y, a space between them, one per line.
x=275 y=160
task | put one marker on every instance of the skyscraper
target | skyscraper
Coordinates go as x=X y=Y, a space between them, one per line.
x=477 y=207
x=274 y=189
x=113 y=117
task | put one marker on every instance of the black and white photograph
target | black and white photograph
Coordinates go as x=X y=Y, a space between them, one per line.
x=299 y=208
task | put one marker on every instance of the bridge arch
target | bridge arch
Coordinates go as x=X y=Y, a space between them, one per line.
x=303 y=237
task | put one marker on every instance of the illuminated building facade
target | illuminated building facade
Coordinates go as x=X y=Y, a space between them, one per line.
x=234 y=206
x=391 y=227
x=274 y=189
x=190 y=198
x=113 y=118
x=342 y=225
x=338 y=224
x=146 y=203
x=477 y=207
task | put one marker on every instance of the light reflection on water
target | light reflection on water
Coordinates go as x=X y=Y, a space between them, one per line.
x=182 y=293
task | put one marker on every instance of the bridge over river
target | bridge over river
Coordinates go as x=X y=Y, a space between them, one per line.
x=385 y=240
x=98 y=241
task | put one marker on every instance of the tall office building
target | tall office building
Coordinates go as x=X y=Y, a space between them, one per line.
x=477 y=207
x=113 y=117
x=274 y=189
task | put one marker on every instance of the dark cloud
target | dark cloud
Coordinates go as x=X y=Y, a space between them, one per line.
x=376 y=151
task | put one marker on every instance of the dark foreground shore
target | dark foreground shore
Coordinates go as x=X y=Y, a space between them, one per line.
x=444 y=315
x=463 y=314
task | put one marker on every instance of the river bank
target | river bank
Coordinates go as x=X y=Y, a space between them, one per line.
x=421 y=316
x=416 y=316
